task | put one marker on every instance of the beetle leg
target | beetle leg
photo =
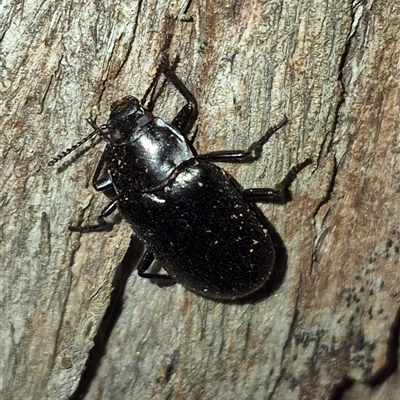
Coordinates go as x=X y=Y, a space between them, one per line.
x=280 y=194
x=187 y=116
x=249 y=155
x=145 y=263
x=103 y=184
x=102 y=225
x=96 y=181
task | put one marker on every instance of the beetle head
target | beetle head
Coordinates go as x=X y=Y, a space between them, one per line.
x=124 y=108
x=126 y=115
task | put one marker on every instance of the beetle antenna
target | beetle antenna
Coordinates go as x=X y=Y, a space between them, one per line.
x=97 y=130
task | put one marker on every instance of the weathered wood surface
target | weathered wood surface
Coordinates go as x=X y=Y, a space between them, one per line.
x=333 y=68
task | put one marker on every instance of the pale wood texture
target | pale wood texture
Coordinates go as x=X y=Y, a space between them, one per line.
x=333 y=68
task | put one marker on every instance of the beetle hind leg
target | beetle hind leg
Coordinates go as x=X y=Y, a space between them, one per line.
x=145 y=263
x=102 y=224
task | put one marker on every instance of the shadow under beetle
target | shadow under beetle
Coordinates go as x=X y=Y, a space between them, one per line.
x=192 y=216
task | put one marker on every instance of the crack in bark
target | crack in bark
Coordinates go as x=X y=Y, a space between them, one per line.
x=327 y=144
x=389 y=368
x=46 y=91
x=392 y=354
x=110 y=318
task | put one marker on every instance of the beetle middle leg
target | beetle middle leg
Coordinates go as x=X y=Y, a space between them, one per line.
x=243 y=156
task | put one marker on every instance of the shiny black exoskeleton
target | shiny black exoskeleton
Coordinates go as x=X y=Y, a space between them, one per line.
x=191 y=215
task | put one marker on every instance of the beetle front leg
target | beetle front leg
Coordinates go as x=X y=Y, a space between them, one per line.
x=103 y=184
x=280 y=194
x=242 y=156
x=187 y=116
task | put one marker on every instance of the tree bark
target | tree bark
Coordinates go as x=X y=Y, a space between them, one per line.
x=77 y=322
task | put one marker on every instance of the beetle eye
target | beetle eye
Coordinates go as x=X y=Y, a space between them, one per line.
x=116 y=136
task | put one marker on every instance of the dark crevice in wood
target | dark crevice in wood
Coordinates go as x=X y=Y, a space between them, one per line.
x=342 y=94
x=392 y=355
x=331 y=186
x=390 y=367
x=320 y=239
x=339 y=389
x=134 y=34
x=109 y=320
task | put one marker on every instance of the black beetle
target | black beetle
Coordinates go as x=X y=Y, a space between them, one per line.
x=192 y=216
